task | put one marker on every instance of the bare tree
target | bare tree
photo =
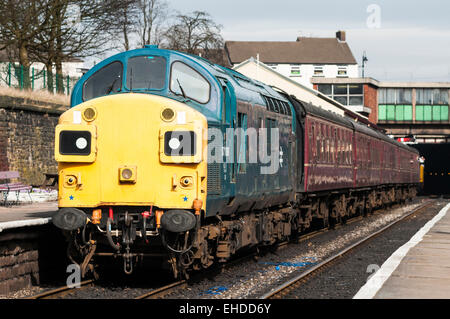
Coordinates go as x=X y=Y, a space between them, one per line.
x=123 y=17
x=195 y=33
x=20 y=23
x=152 y=20
x=76 y=29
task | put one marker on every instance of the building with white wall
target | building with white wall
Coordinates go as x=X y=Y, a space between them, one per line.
x=259 y=71
x=299 y=60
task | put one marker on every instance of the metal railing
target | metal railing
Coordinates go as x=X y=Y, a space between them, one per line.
x=17 y=76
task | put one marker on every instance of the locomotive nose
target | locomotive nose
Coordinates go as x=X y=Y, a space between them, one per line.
x=136 y=145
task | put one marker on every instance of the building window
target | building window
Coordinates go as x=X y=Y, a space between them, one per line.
x=432 y=96
x=346 y=94
x=295 y=70
x=318 y=70
x=325 y=89
x=342 y=71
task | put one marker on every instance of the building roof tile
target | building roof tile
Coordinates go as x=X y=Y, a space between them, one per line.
x=303 y=51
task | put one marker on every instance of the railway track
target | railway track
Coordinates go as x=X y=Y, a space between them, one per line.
x=162 y=291
x=61 y=291
x=294 y=283
x=165 y=290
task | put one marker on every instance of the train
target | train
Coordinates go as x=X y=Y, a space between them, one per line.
x=166 y=156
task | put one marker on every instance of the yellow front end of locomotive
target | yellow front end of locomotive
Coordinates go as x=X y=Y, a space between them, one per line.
x=112 y=151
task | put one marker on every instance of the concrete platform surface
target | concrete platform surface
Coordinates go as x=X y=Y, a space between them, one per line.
x=420 y=269
x=24 y=214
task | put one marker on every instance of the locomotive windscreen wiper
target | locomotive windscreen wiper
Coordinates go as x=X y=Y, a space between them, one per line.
x=181 y=88
x=110 y=88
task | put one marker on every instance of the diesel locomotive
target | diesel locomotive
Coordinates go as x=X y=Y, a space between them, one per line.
x=166 y=156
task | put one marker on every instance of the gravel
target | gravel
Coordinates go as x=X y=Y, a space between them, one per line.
x=344 y=279
x=252 y=279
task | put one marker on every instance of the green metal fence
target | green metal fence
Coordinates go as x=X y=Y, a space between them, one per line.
x=20 y=77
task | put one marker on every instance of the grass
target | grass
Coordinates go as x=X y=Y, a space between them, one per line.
x=41 y=95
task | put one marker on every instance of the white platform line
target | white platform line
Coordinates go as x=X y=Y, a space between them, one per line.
x=24 y=223
x=373 y=285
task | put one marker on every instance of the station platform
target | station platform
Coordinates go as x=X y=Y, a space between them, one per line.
x=420 y=269
x=27 y=215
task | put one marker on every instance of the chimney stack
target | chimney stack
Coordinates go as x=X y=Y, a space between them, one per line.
x=340 y=35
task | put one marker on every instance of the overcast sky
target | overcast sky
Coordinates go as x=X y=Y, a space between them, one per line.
x=410 y=41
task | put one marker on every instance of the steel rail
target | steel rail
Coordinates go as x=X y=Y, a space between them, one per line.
x=162 y=291
x=295 y=282
x=61 y=291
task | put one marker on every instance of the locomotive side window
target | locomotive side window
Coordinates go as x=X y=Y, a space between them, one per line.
x=146 y=72
x=185 y=81
x=103 y=82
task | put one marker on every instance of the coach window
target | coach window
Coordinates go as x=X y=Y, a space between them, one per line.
x=318 y=145
x=103 y=82
x=187 y=82
x=338 y=147
x=351 y=149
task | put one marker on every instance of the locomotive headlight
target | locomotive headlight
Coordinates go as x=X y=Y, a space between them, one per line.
x=89 y=114
x=180 y=143
x=174 y=143
x=168 y=114
x=81 y=143
x=75 y=142
x=127 y=174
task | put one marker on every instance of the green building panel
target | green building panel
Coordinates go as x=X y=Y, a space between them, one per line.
x=431 y=112
x=419 y=112
x=390 y=113
x=427 y=113
x=444 y=112
x=382 y=112
x=399 y=113
x=408 y=112
x=436 y=112
x=395 y=112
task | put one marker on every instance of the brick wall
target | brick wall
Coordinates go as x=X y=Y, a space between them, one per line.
x=371 y=101
x=30 y=256
x=27 y=130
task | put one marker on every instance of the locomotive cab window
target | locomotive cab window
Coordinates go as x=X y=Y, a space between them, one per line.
x=187 y=82
x=103 y=82
x=146 y=72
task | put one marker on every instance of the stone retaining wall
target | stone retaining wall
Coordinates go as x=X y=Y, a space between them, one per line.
x=27 y=130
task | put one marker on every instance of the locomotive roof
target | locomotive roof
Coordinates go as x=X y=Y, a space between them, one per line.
x=245 y=89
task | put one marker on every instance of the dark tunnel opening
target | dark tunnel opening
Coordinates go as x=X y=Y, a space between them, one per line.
x=437 y=168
